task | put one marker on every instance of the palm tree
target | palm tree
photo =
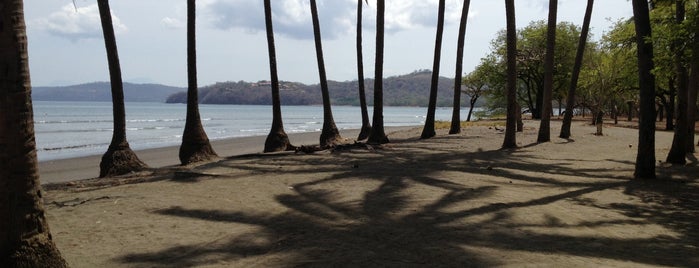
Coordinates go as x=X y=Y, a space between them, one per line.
x=570 y=101
x=692 y=88
x=512 y=111
x=119 y=158
x=456 y=112
x=545 y=126
x=366 y=125
x=25 y=239
x=378 y=136
x=678 y=151
x=277 y=140
x=329 y=136
x=428 y=130
x=195 y=144
x=645 y=157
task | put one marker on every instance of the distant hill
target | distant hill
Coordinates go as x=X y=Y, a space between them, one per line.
x=101 y=91
x=405 y=90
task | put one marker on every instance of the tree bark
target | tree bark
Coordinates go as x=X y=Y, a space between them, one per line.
x=510 y=140
x=119 y=158
x=570 y=101
x=378 y=136
x=456 y=107
x=645 y=157
x=678 y=151
x=428 y=130
x=545 y=126
x=195 y=145
x=693 y=85
x=366 y=125
x=277 y=140
x=25 y=238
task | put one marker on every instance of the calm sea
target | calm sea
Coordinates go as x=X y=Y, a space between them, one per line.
x=73 y=129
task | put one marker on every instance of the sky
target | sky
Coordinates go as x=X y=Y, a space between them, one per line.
x=66 y=45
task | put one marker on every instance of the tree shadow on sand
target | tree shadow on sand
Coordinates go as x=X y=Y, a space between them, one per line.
x=396 y=223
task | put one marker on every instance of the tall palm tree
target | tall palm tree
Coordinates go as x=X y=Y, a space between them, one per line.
x=195 y=144
x=545 y=126
x=678 y=151
x=366 y=125
x=645 y=157
x=456 y=112
x=512 y=111
x=25 y=239
x=570 y=101
x=378 y=136
x=277 y=140
x=428 y=130
x=693 y=86
x=119 y=158
x=329 y=136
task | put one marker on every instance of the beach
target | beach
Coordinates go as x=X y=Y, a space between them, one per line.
x=449 y=201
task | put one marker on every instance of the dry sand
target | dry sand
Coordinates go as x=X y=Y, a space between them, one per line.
x=450 y=201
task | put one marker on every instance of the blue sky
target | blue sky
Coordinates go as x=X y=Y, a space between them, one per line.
x=66 y=46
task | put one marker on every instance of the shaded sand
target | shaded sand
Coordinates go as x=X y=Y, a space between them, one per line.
x=450 y=201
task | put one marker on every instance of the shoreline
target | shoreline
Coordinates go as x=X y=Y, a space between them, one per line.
x=87 y=167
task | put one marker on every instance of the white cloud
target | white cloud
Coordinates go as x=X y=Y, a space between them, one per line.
x=83 y=23
x=172 y=23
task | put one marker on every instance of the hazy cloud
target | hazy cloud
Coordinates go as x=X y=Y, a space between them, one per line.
x=172 y=23
x=83 y=23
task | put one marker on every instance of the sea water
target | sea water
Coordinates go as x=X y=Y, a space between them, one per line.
x=74 y=129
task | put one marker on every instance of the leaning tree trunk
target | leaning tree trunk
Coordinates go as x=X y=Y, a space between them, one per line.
x=366 y=125
x=25 y=239
x=545 y=126
x=510 y=140
x=195 y=144
x=277 y=140
x=428 y=130
x=678 y=151
x=329 y=136
x=645 y=157
x=378 y=136
x=119 y=158
x=456 y=112
x=570 y=101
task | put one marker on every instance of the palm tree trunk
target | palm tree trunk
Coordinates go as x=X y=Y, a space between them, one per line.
x=119 y=158
x=277 y=140
x=366 y=125
x=678 y=151
x=512 y=111
x=25 y=238
x=456 y=107
x=545 y=124
x=195 y=143
x=645 y=157
x=693 y=85
x=428 y=130
x=378 y=136
x=329 y=136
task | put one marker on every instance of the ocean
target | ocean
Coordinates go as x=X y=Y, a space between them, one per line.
x=74 y=129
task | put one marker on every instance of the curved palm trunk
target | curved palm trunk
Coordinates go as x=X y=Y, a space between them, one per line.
x=678 y=151
x=570 y=101
x=512 y=111
x=195 y=144
x=25 y=239
x=329 y=136
x=277 y=140
x=119 y=158
x=545 y=126
x=645 y=157
x=378 y=136
x=456 y=111
x=366 y=125
x=428 y=130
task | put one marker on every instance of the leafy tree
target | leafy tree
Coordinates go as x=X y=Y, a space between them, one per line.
x=678 y=150
x=195 y=143
x=119 y=158
x=366 y=125
x=474 y=85
x=510 y=140
x=378 y=135
x=645 y=158
x=25 y=239
x=428 y=130
x=456 y=112
x=545 y=126
x=329 y=136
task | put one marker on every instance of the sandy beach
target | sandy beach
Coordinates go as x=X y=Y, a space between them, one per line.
x=449 y=201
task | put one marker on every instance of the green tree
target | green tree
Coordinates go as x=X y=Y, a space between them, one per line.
x=474 y=85
x=25 y=238
x=545 y=126
x=645 y=157
x=366 y=125
x=378 y=135
x=456 y=112
x=195 y=145
x=428 y=130
x=119 y=158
